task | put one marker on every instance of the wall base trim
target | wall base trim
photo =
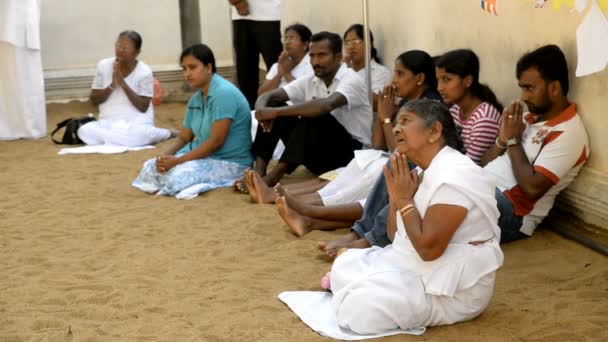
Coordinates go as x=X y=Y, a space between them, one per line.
x=65 y=85
x=587 y=198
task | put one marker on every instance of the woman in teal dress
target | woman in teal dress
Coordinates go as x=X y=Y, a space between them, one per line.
x=213 y=147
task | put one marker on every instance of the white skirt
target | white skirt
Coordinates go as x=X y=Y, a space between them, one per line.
x=120 y=132
x=373 y=293
x=356 y=180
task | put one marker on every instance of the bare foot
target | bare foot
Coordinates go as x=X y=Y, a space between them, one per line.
x=279 y=190
x=293 y=202
x=350 y=240
x=296 y=222
x=264 y=193
x=248 y=179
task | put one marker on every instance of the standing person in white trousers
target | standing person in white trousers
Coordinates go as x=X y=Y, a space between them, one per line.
x=22 y=101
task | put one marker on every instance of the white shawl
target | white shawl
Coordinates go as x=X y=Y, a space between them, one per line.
x=461 y=264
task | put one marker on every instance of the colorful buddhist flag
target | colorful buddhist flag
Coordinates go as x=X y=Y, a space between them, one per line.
x=489 y=6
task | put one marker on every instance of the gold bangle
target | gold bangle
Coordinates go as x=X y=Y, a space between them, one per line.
x=406 y=208
x=404 y=214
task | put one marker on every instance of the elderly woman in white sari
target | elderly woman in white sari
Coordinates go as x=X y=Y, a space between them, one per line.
x=440 y=268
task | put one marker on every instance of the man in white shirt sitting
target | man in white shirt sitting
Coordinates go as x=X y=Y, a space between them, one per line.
x=537 y=154
x=329 y=119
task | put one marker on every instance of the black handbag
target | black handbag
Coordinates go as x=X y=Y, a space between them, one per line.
x=70 y=135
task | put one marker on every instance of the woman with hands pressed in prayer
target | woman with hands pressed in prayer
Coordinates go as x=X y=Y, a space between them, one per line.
x=293 y=62
x=123 y=88
x=441 y=265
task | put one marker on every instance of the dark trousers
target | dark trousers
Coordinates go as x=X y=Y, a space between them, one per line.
x=372 y=224
x=250 y=38
x=508 y=222
x=321 y=143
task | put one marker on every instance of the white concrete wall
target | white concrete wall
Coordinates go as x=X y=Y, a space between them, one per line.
x=77 y=34
x=216 y=27
x=441 y=25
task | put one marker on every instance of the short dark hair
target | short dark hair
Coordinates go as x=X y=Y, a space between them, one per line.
x=133 y=36
x=550 y=62
x=302 y=31
x=201 y=52
x=333 y=40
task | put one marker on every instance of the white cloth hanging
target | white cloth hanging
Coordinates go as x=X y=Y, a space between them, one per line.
x=22 y=99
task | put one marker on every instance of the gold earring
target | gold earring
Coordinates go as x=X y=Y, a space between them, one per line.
x=419 y=83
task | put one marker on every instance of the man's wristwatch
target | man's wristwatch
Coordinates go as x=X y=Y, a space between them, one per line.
x=512 y=142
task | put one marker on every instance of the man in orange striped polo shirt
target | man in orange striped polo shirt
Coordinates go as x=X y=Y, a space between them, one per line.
x=536 y=154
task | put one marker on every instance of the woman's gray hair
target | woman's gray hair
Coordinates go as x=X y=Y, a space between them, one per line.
x=133 y=36
x=431 y=111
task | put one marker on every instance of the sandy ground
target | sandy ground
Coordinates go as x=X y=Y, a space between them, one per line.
x=86 y=257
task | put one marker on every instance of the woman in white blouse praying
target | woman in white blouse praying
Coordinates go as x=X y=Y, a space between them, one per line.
x=122 y=88
x=294 y=61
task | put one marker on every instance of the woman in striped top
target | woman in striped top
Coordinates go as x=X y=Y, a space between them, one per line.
x=475 y=108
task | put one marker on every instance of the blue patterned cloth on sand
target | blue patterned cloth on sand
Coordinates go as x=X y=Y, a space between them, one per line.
x=188 y=179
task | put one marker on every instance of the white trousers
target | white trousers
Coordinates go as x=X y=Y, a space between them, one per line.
x=353 y=183
x=121 y=133
x=372 y=294
x=22 y=100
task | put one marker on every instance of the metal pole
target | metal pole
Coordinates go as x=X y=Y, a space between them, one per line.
x=585 y=241
x=368 y=49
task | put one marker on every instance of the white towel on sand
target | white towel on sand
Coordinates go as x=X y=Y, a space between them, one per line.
x=102 y=149
x=314 y=308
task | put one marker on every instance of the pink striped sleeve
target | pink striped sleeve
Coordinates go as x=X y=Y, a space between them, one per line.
x=483 y=131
